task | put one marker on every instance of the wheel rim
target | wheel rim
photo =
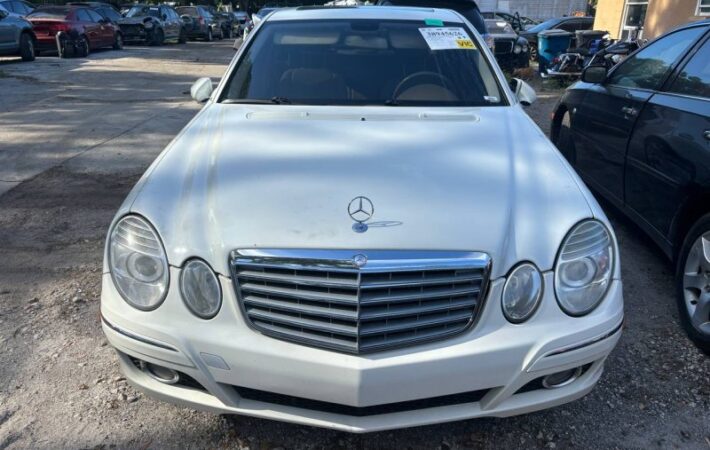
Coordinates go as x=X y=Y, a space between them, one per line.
x=696 y=284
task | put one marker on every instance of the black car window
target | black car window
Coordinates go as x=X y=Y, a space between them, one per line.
x=83 y=16
x=648 y=68
x=695 y=77
x=20 y=8
x=364 y=62
x=109 y=13
x=570 y=25
x=9 y=6
x=95 y=17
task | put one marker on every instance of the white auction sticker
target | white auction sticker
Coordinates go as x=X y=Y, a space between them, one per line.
x=447 y=38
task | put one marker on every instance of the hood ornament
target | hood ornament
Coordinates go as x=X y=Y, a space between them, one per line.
x=361 y=210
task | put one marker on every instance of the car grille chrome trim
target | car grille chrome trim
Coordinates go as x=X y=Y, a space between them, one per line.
x=323 y=299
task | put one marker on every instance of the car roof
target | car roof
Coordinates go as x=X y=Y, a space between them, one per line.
x=365 y=12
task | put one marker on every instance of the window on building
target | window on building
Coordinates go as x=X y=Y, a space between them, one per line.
x=703 y=8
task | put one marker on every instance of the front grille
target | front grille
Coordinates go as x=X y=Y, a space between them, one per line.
x=133 y=30
x=322 y=298
x=362 y=411
x=503 y=47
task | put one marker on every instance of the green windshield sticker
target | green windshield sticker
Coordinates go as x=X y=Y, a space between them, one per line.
x=434 y=22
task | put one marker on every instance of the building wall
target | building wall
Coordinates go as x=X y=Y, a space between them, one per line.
x=535 y=9
x=608 y=16
x=661 y=16
x=664 y=15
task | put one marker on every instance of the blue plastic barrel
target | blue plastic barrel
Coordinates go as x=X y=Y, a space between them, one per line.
x=550 y=44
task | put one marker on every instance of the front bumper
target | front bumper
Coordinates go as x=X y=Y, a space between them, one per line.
x=485 y=372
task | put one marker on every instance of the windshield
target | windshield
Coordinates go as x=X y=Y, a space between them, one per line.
x=544 y=25
x=363 y=62
x=499 y=27
x=50 y=12
x=140 y=11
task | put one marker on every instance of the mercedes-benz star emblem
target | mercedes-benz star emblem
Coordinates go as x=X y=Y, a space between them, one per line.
x=360 y=260
x=361 y=210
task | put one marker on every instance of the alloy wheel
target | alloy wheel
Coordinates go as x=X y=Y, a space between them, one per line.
x=696 y=284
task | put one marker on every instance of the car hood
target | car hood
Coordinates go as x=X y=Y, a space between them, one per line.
x=475 y=179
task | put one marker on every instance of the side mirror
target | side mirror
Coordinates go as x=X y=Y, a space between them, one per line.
x=201 y=90
x=524 y=92
x=594 y=74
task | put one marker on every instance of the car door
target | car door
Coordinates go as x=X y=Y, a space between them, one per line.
x=669 y=151
x=7 y=30
x=603 y=121
x=91 y=29
x=168 y=27
x=104 y=29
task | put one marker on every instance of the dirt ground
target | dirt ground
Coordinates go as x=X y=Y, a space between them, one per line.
x=75 y=135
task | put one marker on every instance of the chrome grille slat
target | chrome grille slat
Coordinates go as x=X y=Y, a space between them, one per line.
x=322 y=298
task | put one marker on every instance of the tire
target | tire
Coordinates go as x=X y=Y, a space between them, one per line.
x=183 y=36
x=209 y=37
x=693 y=284
x=83 y=48
x=229 y=33
x=158 y=38
x=564 y=141
x=27 y=47
x=118 y=42
x=533 y=52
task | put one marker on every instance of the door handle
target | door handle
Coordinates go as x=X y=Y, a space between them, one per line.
x=707 y=134
x=629 y=111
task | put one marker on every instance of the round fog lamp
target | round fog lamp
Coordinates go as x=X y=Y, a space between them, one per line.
x=522 y=293
x=517 y=49
x=200 y=289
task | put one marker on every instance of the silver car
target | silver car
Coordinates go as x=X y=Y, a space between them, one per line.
x=362 y=230
x=16 y=36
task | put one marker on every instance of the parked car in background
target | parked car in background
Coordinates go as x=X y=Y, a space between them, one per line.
x=240 y=22
x=494 y=291
x=511 y=50
x=19 y=7
x=221 y=28
x=518 y=22
x=228 y=24
x=467 y=8
x=16 y=36
x=571 y=24
x=107 y=10
x=639 y=135
x=201 y=23
x=73 y=30
x=153 y=24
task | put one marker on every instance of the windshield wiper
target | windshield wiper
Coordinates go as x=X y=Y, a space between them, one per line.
x=258 y=101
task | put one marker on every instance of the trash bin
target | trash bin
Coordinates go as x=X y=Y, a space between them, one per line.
x=584 y=37
x=550 y=44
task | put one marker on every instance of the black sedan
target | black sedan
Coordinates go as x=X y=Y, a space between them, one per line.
x=152 y=24
x=511 y=50
x=640 y=136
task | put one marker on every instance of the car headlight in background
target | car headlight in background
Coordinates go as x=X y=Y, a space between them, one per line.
x=200 y=289
x=517 y=49
x=522 y=293
x=584 y=268
x=138 y=263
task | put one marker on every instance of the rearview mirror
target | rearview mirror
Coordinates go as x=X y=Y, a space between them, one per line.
x=201 y=90
x=524 y=92
x=594 y=74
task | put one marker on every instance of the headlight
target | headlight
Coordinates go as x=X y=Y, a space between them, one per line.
x=138 y=264
x=517 y=49
x=525 y=48
x=200 y=289
x=584 y=268
x=522 y=293
x=148 y=24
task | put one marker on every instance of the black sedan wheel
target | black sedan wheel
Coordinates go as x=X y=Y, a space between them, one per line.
x=209 y=35
x=158 y=38
x=82 y=47
x=27 y=47
x=533 y=52
x=693 y=281
x=118 y=42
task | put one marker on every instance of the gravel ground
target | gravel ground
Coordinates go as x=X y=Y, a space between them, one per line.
x=74 y=137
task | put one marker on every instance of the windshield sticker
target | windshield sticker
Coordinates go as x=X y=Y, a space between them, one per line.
x=449 y=38
x=434 y=22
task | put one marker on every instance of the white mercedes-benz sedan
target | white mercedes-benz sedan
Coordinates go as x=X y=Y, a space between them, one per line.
x=362 y=230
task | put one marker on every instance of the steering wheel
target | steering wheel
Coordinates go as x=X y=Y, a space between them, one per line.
x=438 y=78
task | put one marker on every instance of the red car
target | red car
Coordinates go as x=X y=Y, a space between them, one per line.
x=73 y=30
